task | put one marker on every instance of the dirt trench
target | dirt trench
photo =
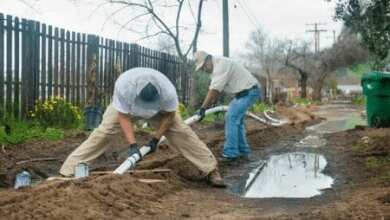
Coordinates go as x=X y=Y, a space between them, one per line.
x=359 y=193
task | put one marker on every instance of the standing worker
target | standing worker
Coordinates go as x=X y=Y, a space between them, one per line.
x=230 y=77
x=148 y=94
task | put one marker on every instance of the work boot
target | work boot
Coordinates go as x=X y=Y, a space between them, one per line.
x=228 y=160
x=214 y=178
x=247 y=158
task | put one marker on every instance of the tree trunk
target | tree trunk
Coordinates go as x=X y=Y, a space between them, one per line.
x=317 y=91
x=303 y=85
x=269 y=88
x=92 y=90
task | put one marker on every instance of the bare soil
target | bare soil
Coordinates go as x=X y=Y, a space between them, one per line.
x=360 y=191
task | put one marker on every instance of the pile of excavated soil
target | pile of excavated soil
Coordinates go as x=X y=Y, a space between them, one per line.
x=127 y=196
x=101 y=197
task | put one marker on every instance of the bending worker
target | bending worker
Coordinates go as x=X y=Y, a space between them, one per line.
x=148 y=94
x=231 y=77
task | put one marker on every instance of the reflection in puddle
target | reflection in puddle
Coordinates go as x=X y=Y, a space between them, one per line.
x=291 y=175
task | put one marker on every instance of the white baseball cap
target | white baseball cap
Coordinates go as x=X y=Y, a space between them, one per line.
x=200 y=58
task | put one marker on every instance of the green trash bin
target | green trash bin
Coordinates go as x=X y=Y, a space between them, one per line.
x=376 y=87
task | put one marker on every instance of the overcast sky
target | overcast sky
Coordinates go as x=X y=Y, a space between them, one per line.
x=279 y=18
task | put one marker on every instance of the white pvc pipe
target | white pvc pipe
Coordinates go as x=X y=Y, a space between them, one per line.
x=133 y=159
x=269 y=117
x=276 y=121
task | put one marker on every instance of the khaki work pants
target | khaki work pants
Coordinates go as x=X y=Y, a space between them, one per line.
x=179 y=136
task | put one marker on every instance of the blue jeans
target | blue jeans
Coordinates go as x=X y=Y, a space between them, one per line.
x=235 y=138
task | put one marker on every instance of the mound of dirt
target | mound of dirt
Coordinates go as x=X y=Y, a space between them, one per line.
x=121 y=197
x=102 y=197
x=296 y=115
x=375 y=146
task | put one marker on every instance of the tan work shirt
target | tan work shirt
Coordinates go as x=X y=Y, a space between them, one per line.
x=230 y=76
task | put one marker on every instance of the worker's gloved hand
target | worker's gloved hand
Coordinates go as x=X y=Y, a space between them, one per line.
x=134 y=149
x=153 y=144
x=201 y=113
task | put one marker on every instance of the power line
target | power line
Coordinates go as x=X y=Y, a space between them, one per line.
x=248 y=9
x=317 y=33
x=254 y=23
x=225 y=20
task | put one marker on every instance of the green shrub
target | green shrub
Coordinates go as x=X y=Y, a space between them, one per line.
x=22 y=131
x=53 y=134
x=56 y=112
x=302 y=101
x=359 y=100
x=260 y=107
x=212 y=118
x=202 y=82
x=184 y=112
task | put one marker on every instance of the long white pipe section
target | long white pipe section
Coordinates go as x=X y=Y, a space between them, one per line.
x=133 y=159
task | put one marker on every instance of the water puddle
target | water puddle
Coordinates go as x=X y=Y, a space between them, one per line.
x=290 y=175
x=298 y=174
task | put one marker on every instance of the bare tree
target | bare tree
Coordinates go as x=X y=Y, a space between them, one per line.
x=165 y=44
x=153 y=12
x=316 y=68
x=346 y=52
x=263 y=54
x=31 y=5
x=297 y=57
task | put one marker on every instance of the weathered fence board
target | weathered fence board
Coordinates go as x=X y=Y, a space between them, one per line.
x=38 y=61
x=16 y=79
x=50 y=62
x=9 y=64
x=2 y=110
x=78 y=69
x=67 y=71
x=43 y=63
x=62 y=62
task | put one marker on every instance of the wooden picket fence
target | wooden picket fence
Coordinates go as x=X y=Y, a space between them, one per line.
x=38 y=61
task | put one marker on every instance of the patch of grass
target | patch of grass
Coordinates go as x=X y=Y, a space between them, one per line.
x=260 y=107
x=377 y=162
x=353 y=121
x=18 y=131
x=212 y=118
x=302 y=101
x=386 y=177
x=359 y=100
x=185 y=111
x=357 y=148
x=53 y=134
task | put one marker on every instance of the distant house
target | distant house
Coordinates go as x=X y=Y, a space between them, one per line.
x=350 y=89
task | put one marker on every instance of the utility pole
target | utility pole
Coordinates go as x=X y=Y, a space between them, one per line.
x=334 y=36
x=316 y=32
x=225 y=21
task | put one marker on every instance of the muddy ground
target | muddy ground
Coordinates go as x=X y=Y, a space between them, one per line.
x=358 y=159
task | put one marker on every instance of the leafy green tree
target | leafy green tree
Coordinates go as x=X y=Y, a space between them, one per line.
x=371 y=20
